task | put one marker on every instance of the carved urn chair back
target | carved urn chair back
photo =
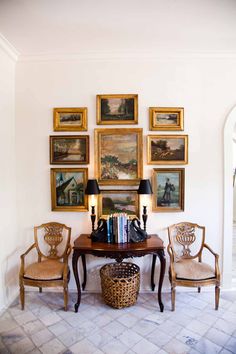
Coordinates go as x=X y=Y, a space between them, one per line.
x=52 y=240
x=186 y=245
x=52 y=243
x=186 y=240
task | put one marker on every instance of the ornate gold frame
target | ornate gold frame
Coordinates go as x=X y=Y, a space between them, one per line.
x=118 y=122
x=167 y=162
x=57 y=126
x=180 y=120
x=68 y=137
x=119 y=131
x=115 y=191
x=55 y=207
x=181 y=172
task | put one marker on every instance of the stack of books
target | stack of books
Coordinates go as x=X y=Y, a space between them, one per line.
x=118 y=228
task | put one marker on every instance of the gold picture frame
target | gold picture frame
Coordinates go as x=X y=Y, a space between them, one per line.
x=69 y=149
x=167 y=149
x=117 y=109
x=68 y=189
x=118 y=201
x=168 y=189
x=119 y=156
x=70 y=119
x=166 y=118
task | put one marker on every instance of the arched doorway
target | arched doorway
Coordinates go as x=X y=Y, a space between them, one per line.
x=228 y=198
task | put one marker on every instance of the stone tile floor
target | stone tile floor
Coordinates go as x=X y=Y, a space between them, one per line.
x=195 y=327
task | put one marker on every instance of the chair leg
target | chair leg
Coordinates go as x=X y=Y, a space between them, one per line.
x=172 y=298
x=217 y=297
x=40 y=289
x=65 y=297
x=22 y=296
x=199 y=289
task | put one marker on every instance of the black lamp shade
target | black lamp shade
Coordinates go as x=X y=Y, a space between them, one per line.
x=92 y=187
x=145 y=187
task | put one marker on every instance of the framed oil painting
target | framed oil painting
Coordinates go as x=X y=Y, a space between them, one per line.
x=117 y=109
x=117 y=201
x=165 y=118
x=167 y=149
x=70 y=119
x=68 y=189
x=168 y=189
x=69 y=149
x=119 y=156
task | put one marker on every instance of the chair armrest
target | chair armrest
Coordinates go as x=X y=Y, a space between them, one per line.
x=171 y=254
x=217 y=268
x=65 y=261
x=23 y=258
x=209 y=248
x=67 y=253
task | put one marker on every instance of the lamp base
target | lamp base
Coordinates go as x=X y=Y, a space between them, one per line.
x=93 y=217
x=144 y=216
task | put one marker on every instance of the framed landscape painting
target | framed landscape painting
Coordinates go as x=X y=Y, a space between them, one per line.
x=70 y=119
x=167 y=149
x=168 y=189
x=165 y=118
x=117 y=201
x=69 y=149
x=68 y=189
x=119 y=156
x=117 y=109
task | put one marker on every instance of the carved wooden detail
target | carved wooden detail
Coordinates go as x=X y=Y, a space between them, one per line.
x=186 y=237
x=53 y=237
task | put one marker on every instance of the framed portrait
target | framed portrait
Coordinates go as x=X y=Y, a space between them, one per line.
x=165 y=118
x=68 y=189
x=117 y=201
x=167 y=149
x=119 y=156
x=117 y=109
x=69 y=149
x=168 y=189
x=70 y=119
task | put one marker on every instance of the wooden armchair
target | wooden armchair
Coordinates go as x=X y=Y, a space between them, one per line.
x=52 y=243
x=186 y=243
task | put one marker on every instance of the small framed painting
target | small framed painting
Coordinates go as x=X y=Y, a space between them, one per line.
x=117 y=109
x=119 y=156
x=68 y=189
x=165 y=118
x=167 y=149
x=168 y=189
x=70 y=119
x=117 y=201
x=69 y=149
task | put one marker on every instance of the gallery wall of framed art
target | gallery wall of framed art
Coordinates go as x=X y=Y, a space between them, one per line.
x=118 y=159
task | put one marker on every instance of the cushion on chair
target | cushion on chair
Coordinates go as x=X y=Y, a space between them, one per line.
x=193 y=270
x=45 y=270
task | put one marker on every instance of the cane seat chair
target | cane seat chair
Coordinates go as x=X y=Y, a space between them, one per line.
x=185 y=248
x=52 y=246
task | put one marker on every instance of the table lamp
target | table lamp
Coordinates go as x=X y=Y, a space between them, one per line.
x=92 y=189
x=145 y=188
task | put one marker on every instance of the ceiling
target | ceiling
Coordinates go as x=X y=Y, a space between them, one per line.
x=72 y=26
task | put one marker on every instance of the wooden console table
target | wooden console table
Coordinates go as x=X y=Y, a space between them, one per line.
x=153 y=245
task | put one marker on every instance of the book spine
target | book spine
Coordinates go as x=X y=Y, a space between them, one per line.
x=108 y=231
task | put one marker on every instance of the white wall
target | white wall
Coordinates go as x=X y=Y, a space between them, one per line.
x=8 y=237
x=204 y=86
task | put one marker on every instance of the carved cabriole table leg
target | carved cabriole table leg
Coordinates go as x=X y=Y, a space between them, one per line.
x=161 y=256
x=84 y=270
x=75 y=258
x=154 y=257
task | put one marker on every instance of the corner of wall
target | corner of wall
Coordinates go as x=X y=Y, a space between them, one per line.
x=8 y=48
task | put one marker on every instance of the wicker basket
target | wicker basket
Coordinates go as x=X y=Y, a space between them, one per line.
x=120 y=284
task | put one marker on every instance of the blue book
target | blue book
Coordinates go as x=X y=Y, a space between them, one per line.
x=108 y=231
